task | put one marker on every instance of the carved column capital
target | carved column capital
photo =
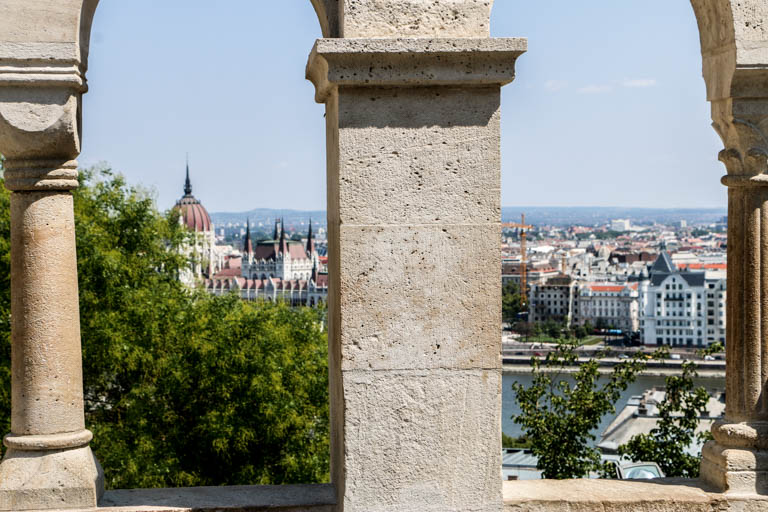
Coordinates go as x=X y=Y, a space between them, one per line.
x=746 y=151
x=40 y=136
x=39 y=123
x=412 y=63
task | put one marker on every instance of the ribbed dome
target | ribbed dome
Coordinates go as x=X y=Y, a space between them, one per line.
x=193 y=214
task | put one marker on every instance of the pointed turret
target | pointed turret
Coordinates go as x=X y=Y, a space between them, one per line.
x=247 y=245
x=283 y=242
x=310 y=240
x=187 y=183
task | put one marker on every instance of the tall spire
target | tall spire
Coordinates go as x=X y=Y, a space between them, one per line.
x=283 y=244
x=247 y=246
x=310 y=240
x=188 y=184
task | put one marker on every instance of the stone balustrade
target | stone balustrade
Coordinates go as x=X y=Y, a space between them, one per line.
x=412 y=94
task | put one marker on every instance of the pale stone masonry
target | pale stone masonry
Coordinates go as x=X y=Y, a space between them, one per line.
x=412 y=95
x=413 y=184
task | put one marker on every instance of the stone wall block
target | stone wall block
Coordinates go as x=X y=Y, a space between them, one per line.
x=420 y=296
x=402 y=428
x=50 y=479
x=419 y=156
x=40 y=20
x=416 y=18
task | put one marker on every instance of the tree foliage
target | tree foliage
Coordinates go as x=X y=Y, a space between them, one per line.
x=558 y=416
x=511 y=302
x=182 y=388
x=675 y=431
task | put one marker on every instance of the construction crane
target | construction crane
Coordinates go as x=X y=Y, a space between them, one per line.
x=523 y=227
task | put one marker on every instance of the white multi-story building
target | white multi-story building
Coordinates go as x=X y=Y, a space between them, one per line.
x=608 y=305
x=553 y=300
x=682 y=307
x=621 y=225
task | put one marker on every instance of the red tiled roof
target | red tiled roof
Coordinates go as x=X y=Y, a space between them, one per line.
x=605 y=288
x=268 y=251
x=193 y=214
x=227 y=272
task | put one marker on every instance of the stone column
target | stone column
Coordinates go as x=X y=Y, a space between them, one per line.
x=48 y=464
x=414 y=247
x=737 y=461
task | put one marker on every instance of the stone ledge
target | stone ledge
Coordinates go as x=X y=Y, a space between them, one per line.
x=665 y=495
x=256 y=498
x=412 y=62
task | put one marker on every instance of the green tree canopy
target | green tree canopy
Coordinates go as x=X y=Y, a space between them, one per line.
x=511 y=302
x=182 y=388
x=558 y=416
x=668 y=442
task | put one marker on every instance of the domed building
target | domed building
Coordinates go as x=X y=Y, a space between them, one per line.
x=201 y=251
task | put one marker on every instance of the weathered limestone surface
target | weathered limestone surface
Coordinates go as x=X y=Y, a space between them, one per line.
x=414 y=204
x=668 y=495
x=257 y=498
x=416 y=18
x=422 y=440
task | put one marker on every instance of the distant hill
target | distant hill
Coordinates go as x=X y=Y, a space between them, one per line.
x=537 y=215
x=589 y=216
x=269 y=215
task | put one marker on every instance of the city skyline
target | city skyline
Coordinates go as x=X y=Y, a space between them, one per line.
x=593 y=109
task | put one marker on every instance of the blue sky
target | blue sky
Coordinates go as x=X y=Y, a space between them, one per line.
x=608 y=108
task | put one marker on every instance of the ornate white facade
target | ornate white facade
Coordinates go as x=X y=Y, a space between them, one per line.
x=682 y=308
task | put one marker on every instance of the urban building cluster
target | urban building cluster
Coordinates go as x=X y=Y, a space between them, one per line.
x=658 y=284
x=278 y=268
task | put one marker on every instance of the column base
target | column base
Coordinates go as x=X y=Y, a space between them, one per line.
x=53 y=479
x=735 y=470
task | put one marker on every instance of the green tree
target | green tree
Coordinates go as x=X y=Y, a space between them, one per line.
x=579 y=332
x=699 y=232
x=511 y=302
x=182 y=388
x=553 y=329
x=675 y=431
x=558 y=416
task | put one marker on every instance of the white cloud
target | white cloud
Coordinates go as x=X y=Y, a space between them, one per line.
x=641 y=83
x=555 y=85
x=596 y=89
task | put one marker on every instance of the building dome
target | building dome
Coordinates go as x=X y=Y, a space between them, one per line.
x=193 y=213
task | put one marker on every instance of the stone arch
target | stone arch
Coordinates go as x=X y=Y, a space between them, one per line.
x=734 y=49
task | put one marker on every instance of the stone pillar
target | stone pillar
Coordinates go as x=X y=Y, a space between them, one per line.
x=48 y=464
x=737 y=461
x=414 y=243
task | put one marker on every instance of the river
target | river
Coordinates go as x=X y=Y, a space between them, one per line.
x=510 y=407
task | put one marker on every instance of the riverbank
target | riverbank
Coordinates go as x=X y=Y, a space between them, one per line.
x=519 y=364
x=525 y=369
